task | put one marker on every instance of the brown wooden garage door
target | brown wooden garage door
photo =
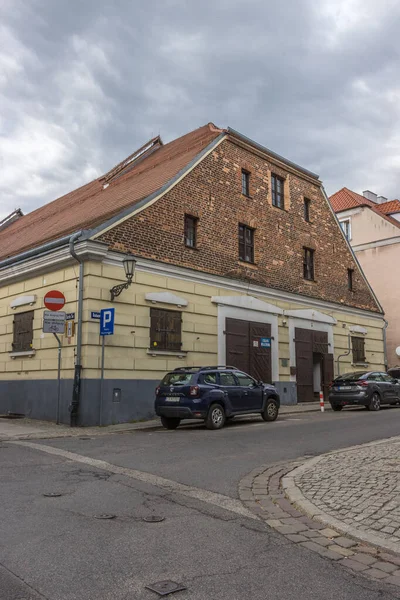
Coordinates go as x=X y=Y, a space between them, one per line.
x=244 y=350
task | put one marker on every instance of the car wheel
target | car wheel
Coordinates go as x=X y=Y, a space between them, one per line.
x=336 y=407
x=271 y=410
x=375 y=403
x=216 y=417
x=170 y=422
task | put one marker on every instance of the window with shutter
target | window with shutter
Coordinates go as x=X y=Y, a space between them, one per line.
x=23 y=331
x=358 y=345
x=165 y=329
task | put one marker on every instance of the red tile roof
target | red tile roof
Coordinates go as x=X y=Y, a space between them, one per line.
x=345 y=199
x=92 y=205
x=387 y=208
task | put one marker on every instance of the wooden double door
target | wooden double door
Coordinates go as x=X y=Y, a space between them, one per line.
x=313 y=362
x=246 y=348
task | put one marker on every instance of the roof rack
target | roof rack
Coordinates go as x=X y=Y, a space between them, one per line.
x=204 y=368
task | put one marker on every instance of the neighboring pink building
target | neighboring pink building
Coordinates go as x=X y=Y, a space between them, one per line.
x=371 y=223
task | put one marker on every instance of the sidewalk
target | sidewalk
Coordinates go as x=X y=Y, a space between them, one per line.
x=345 y=506
x=20 y=429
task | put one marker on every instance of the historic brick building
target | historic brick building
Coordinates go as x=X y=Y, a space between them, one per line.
x=234 y=244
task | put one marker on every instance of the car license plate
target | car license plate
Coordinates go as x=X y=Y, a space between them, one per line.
x=345 y=388
x=172 y=398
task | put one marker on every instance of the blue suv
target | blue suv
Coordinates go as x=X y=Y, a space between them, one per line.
x=213 y=394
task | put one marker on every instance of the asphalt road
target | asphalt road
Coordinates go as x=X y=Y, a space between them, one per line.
x=56 y=548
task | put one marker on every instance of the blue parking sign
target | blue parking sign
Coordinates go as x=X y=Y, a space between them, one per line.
x=107 y=321
x=265 y=342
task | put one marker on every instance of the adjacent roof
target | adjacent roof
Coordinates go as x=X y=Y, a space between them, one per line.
x=346 y=199
x=389 y=208
x=143 y=173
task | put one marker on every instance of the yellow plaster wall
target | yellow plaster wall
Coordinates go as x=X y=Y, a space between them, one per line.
x=127 y=354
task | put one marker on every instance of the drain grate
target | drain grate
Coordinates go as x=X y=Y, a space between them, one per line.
x=52 y=495
x=105 y=516
x=163 y=588
x=153 y=519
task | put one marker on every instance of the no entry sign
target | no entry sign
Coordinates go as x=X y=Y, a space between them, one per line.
x=54 y=300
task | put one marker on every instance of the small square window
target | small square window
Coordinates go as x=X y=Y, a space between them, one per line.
x=346 y=226
x=191 y=231
x=350 y=277
x=245 y=183
x=307 y=204
x=246 y=243
x=165 y=329
x=308 y=264
x=277 y=185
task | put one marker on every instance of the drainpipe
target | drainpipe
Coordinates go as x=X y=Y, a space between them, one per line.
x=384 y=344
x=342 y=356
x=76 y=392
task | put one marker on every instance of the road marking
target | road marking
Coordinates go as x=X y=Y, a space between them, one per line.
x=214 y=498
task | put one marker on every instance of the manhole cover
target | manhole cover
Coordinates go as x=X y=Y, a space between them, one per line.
x=52 y=495
x=105 y=516
x=163 y=588
x=153 y=519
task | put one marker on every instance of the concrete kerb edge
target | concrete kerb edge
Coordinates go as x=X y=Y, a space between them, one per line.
x=297 y=498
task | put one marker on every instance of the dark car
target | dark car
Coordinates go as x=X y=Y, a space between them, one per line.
x=365 y=388
x=213 y=394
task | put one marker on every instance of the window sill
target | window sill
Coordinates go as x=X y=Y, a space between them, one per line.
x=247 y=197
x=177 y=354
x=279 y=208
x=246 y=263
x=309 y=281
x=191 y=247
x=359 y=364
x=22 y=353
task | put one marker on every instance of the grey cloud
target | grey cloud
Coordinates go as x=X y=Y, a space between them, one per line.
x=83 y=83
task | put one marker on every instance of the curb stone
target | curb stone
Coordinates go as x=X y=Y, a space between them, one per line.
x=270 y=492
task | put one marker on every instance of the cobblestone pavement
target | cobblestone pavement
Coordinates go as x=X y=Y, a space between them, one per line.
x=360 y=488
x=363 y=482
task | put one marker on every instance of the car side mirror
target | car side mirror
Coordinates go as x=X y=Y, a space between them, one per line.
x=260 y=383
x=395 y=381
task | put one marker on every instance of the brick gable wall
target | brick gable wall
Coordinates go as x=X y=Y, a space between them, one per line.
x=212 y=192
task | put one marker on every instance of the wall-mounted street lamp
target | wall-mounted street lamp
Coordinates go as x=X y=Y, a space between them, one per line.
x=129 y=263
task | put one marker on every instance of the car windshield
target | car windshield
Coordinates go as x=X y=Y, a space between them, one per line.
x=355 y=375
x=177 y=379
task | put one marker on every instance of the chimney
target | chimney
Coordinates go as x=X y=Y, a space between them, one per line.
x=381 y=199
x=370 y=196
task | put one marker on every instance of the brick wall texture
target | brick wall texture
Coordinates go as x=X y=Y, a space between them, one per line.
x=212 y=193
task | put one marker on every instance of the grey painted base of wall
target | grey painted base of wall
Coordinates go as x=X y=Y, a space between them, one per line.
x=287 y=392
x=123 y=400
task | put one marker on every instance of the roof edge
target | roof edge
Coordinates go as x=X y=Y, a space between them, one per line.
x=282 y=159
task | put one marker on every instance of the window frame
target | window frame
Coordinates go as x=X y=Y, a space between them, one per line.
x=18 y=346
x=350 y=280
x=244 y=244
x=307 y=206
x=162 y=343
x=358 y=353
x=190 y=223
x=343 y=224
x=308 y=263
x=245 y=178
x=278 y=197
x=234 y=384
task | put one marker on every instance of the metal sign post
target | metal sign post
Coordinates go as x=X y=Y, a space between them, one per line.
x=106 y=328
x=59 y=379
x=54 y=322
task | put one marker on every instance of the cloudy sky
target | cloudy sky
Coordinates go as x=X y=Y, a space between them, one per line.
x=83 y=83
